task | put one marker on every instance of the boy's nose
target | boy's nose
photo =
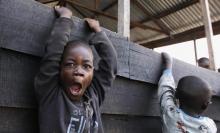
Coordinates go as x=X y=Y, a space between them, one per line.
x=78 y=71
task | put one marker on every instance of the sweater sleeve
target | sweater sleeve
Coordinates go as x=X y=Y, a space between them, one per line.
x=166 y=92
x=48 y=77
x=107 y=67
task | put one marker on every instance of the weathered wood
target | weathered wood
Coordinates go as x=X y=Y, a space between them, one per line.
x=17 y=120
x=133 y=97
x=145 y=65
x=124 y=18
x=131 y=124
x=208 y=31
x=17 y=73
x=188 y=35
x=135 y=62
x=127 y=97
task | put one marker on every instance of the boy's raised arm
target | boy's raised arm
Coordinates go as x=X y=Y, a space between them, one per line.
x=105 y=75
x=166 y=86
x=48 y=76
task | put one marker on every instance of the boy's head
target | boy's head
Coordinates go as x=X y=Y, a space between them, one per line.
x=204 y=62
x=194 y=94
x=76 y=70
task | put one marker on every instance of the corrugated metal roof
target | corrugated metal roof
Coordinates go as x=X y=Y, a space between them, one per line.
x=179 y=21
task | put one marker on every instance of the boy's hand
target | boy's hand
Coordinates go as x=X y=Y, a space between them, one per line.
x=63 y=12
x=167 y=60
x=93 y=24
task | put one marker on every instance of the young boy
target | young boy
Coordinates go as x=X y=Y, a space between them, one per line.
x=204 y=62
x=68 y=93
x=194 y=96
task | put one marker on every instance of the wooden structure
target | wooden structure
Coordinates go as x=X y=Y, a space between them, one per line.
x=124 y=18
x=153 y=23
x=132 y=104
x=208 y=31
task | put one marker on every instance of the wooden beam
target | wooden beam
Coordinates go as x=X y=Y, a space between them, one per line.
x=92 y=10
x=208 y=31
x=106 y=8
x=79 y=11
x=97 y=3
x=195 y=51
x=110 y=5
x=115 y=18
x=170 y=11
x=124 y=18
x=142 y=26
x=158 y=22
x=195 y=33
x=46 y=1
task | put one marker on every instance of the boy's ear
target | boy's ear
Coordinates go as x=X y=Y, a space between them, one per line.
x=204 y=106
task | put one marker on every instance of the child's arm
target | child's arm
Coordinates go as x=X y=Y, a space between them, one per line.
x=105 y=75
x=48 y=77
x=166 y=85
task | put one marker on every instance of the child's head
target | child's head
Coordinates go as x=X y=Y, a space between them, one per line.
x=194 y=94
x=76 y=70
x=204 y=62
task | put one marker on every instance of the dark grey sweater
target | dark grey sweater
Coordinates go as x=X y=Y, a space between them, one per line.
x=57 y=113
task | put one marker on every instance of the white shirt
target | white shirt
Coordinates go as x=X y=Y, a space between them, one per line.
x=174 y=119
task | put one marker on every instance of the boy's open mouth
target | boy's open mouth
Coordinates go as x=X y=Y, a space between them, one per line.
x=75 y=88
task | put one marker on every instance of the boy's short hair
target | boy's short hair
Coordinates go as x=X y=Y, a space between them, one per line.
x=193 y=92
x=75 y=43
x=204 y=62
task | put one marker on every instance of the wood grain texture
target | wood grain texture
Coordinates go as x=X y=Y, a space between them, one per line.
x=26 y=28
x=131 y=124
x=17 y=120
x=130 y=104
x=127 y=97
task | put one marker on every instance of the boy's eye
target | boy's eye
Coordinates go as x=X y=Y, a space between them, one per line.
x=70 y=65
x=87 y=66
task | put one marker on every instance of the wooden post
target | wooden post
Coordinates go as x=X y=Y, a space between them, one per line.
x=124 y=18
x=195 y=50
x=208 y=31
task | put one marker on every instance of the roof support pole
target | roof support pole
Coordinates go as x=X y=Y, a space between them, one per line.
x=195 y=50
x=208 y=31
x=124 y=18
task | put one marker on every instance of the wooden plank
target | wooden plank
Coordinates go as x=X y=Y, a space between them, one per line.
x=145 y=65
x=46 y=1
x=92 y=10
x=208 y=31
x=16 y=120
x=188 y=35
x=131 y=104
x=218 y=126
x=17 y=73
x=131 y=124
x=27 y=39
x=29 y=34
x=132 y=62
x=129 y=97
x=124 y=18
